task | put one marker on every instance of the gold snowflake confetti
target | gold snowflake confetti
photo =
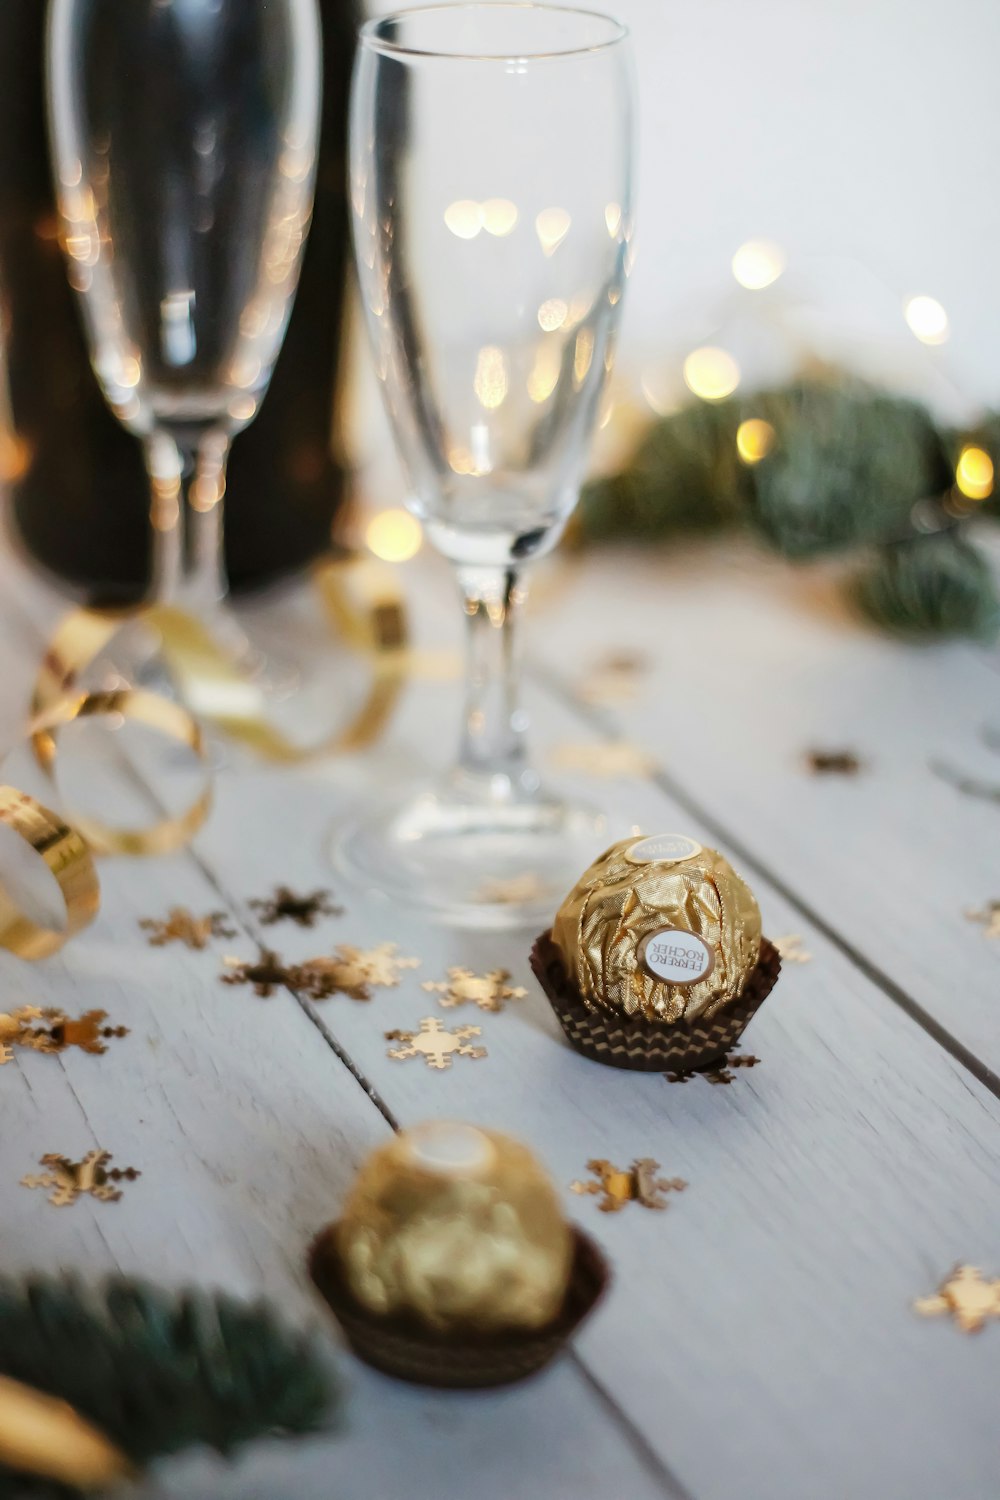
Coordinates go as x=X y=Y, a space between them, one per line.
x=354 y=971
x=964 y=1295
x=609 y=758
x=989 y=916
x=462 y=987
x=833 y=762
x=791 y=949
x=70 y=1180
x=639 y=1183
x=13 y=1028
x=435 y=1043
x=718 y=1073
x=286 y=906
x=179 y=926
x=54 y=1031
x=59 y=1031
x=266 y=973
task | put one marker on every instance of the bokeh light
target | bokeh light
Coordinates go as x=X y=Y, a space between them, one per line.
x=464 y=218
x=394 y=535
x=552 y=226
x=552 y=314
x=545 y=372
x=974 y=473
x=758 y=263
x=754 y=439
x=711 y=373
x=499 y=216
x=927 y=319
x=490 y=383
x=583 y=355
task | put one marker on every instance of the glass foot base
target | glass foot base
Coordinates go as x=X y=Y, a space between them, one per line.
x=471 y=861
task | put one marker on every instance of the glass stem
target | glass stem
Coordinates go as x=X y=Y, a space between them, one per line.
x=187 y=472
x=493 y=749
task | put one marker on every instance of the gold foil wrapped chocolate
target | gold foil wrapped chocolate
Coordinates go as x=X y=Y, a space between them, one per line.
x=661 y=928
x=458 y=1227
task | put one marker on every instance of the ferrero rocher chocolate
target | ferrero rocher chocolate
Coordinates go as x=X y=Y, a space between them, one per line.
x=661 y=928
x=460 y=1228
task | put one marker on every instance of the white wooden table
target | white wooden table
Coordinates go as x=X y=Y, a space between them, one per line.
x=759 y=1341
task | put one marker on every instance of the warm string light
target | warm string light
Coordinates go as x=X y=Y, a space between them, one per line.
x=927 y=320
x=394 y=535
x=467 y=217
x=711 y=373
x=754 y=440
x=758 y=263
x=974 y=473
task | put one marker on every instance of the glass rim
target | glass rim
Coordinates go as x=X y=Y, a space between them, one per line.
x=369 y=36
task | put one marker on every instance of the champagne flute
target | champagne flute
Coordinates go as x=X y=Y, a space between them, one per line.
x=491 y=183
x=184 y=147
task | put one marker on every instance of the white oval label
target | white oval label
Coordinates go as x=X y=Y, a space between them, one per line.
x=663 y=849
x=676 y=956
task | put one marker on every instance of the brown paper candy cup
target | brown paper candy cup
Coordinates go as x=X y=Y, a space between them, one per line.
x=402 y=1347
x=651 y=1046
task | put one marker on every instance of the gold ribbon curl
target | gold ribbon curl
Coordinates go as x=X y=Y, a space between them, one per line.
x=362 y=601
x=137 y=706
x=42 y=1435
x=67 y=856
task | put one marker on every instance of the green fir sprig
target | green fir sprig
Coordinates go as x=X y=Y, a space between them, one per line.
x=156 y=1371
x=848 y=467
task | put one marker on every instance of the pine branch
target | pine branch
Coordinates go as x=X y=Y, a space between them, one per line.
x=158 y=1372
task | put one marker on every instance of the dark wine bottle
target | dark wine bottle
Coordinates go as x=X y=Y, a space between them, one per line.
x=77 y=480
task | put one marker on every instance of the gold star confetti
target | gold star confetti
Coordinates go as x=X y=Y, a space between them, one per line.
x=517 y=890
x=354 y=971
x=638 y=1183
x=608 y=759
x=435 y=1043
x=964 y=1294
x=833 y=762
x=70 y=1180
x=286 y=906
x=462 y=987
x=989 y=916
x=791 y=949
x=180 y=926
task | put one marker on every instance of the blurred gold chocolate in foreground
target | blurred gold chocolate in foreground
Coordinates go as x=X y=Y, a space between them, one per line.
x=458 y=1226
x=43 y=1436
x=630 y=895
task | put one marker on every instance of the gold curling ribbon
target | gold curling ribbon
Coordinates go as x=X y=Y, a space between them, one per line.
x=139 y=707
x=68 y=858
x=42 y=1435
x=361 y=598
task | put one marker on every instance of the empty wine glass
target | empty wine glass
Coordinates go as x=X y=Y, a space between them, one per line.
x=491 y=181
x=184 y=147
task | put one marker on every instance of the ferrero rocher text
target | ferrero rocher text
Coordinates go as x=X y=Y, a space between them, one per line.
x=459 y=1228
x=668 y=940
